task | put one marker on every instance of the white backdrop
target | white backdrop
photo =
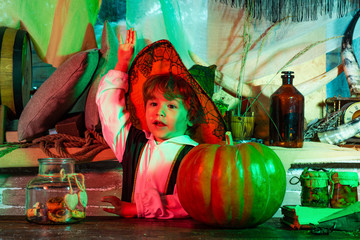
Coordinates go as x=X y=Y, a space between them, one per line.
x=214 y=32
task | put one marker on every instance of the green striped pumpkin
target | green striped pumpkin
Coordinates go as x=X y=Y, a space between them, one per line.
x=231 y=186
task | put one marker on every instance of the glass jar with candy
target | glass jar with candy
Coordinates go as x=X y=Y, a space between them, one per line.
x=57 y=195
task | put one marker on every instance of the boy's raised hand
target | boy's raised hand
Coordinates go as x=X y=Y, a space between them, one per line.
x=126 y=51
x=121 y=208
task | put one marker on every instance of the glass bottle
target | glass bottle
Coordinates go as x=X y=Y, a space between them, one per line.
x=56 y=195
x=286 y=114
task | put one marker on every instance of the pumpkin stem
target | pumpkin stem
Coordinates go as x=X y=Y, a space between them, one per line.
x=228 y=138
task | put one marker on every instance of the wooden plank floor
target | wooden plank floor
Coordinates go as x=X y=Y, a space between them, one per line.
x=16 y=227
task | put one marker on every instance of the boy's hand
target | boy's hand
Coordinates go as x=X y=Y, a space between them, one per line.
x=121 y=208
x=126 y=51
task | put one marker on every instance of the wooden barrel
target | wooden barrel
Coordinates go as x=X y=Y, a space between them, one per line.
x=15 y=69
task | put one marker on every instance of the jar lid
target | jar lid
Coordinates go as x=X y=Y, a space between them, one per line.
x=56 y=160
x=314 y=179
x=346 y=178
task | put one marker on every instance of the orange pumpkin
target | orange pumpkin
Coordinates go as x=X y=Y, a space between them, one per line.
x=231 y=186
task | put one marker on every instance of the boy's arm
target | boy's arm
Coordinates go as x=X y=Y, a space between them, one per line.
x=121 y=208
x=151 y=204
x=110 y=98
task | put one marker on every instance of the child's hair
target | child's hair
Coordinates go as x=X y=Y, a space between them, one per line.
x=173 y=86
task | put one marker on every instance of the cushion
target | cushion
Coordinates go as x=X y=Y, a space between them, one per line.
x=108 y=60
x=57 y=94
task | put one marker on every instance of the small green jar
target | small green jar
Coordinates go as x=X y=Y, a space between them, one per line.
x=343 y=187
x=314 y=192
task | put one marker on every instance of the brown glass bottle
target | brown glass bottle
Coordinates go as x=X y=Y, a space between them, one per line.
x=287 y=114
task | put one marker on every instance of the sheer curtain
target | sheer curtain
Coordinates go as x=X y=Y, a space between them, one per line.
x=214 y=31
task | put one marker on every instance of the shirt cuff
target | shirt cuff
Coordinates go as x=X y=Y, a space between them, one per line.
x=117 y=79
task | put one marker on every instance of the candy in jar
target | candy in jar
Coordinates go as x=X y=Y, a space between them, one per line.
x=343 y=187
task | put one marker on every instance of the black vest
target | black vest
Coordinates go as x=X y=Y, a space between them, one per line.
x=135 y=143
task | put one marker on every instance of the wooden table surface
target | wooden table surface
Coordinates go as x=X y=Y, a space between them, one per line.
x=16 y=227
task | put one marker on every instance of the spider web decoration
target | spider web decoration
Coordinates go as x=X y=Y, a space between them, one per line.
x=298 y=10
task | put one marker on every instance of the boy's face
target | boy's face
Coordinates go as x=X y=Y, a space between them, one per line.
x=166 y=118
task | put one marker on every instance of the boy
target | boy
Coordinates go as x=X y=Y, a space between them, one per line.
x=167 y=104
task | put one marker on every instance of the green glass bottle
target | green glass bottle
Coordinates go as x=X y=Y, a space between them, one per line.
x=287 y=114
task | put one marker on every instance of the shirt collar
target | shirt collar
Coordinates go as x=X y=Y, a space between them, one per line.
x=183 y=139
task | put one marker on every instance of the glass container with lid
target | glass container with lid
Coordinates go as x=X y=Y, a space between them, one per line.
x=314 y=191
x=343 y=187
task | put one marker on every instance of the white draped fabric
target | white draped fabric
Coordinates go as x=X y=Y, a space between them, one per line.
x=214 y=31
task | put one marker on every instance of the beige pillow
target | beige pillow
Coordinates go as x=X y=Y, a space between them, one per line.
x=57 y=94
x=108 y=60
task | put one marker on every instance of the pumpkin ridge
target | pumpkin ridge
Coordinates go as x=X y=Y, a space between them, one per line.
x=248 y=183
x=187 y=171
x=278 y=176
x=221 y=184
x=268 y=192
x=203 y=181
x=264 y=186
x=276 y=172
x=237 y=186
